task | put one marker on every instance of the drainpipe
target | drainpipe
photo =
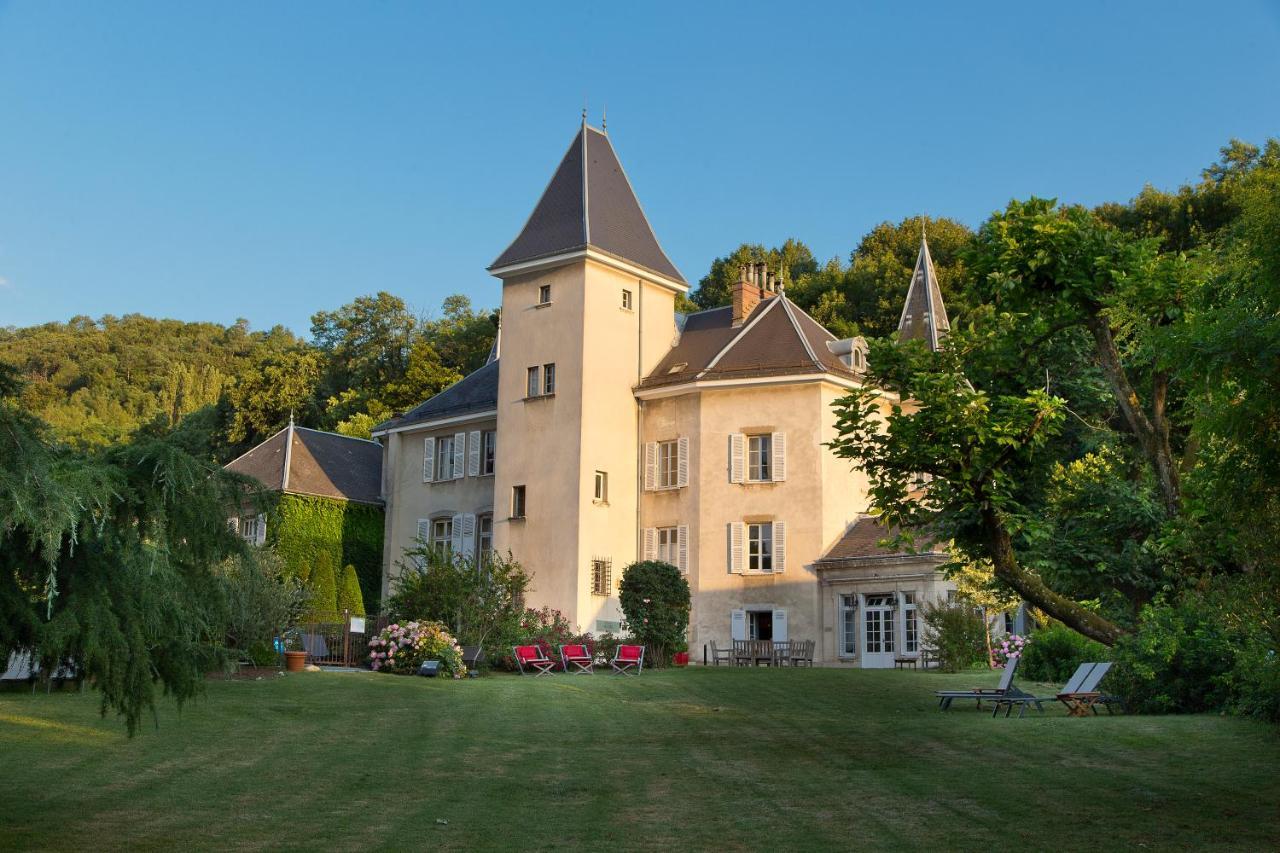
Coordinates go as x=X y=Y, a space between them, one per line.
x=639 y=413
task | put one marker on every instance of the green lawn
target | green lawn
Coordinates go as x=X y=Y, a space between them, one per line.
x=720 y=758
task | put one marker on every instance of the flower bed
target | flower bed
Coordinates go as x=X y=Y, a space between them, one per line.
x=401 y=649
x=1010 y=647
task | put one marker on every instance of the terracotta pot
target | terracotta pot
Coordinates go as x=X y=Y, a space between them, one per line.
x=295 y=661
x=680 y=659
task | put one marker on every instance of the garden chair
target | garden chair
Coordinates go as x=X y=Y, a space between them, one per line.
x=628 y=660
x=946 y=697
x=781 y=652
x=532 y=657
x=718 y=654
x=580 y=659
x=742 y=653
x=471 y=657
x=801 y=653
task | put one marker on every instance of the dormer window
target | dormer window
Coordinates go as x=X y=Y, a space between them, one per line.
x=906 y=323
x=676 y=368
x=544 y=294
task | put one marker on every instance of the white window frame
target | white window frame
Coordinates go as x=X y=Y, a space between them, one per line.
x=488 y=452
x=760 y=458
x=519 y=501
x=759 y=547
x=667 y=543
x=534 y=381
x=484 y=538
x=668 y=462
x=847 y=618
x=441 y=540
x=549 y=379
x=626 y=300
x=602 y=487
x=544 y=294
x=910 y=624
x=444 y=458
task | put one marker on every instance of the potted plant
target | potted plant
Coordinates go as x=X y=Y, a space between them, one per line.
x=681 y=655
x=295 y=658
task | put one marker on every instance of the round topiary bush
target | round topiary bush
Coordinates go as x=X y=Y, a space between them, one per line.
x=655 y=604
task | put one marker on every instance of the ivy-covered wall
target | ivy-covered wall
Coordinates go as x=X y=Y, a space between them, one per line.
x=302 y=528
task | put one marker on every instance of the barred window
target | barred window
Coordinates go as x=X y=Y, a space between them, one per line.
x=601 y=576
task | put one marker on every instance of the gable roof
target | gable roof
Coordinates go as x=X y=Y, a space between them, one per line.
x=924 y=305
x=778 y=338
x=862 y=541
x=324 y=464
x=475 y=392
x=589 y=203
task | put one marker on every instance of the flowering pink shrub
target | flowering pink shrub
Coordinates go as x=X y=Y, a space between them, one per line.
x=402 y=649
x=1010 y=647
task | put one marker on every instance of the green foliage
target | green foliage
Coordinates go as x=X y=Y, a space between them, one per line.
x=1055 y=651
x=791 y=260
x=303 y=530
x=278 y=387
x=263 y=600
x=482 y=605
x=956 y=630
x=323 y=588
x=655 y=605
x=547 y=629
x=349 y=598
x=1206 y=650
x=401 y=649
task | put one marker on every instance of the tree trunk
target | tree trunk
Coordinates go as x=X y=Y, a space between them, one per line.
x=1152 y=433
x=1035 y=591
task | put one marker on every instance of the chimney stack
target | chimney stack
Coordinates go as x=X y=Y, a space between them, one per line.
x=755 y=284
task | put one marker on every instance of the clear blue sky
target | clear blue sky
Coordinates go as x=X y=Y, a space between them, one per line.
x=264 y=160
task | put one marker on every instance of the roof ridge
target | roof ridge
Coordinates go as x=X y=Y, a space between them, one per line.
x=795 y=324
x=534 y=210
x=748 y=326
x=336 y=434
x=256 y=446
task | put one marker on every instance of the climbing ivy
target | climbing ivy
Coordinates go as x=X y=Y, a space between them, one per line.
x=302 y=528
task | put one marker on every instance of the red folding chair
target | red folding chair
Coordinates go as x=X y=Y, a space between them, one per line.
x=579 y=658
x=532 y=657
x=628 y=660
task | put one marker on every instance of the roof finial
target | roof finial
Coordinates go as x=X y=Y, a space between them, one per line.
x=584 y=110
x=604 y=118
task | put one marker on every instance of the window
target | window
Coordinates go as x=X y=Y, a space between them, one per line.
x=669 y=545
x=548 y=379
x=879 y=624
x=668 y=465
x=601 y=576
x=442 y=536
x=484 y=539
x=848 y=625
x=602 y=486
x=250 y=529
x=911 y=641
x=544 y=294
x=542 y=380
x=489 y=452
x=517 y=502
x=444 y=458
x=760 y=624
x=626 y=299
x=760 y=547
x=535 y=382
x=759 y=453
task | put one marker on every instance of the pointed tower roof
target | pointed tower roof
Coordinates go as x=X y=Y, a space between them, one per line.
x=589 y=204
x=924 y=316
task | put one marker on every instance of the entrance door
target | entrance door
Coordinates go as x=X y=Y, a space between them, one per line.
x=877 y=632
x=760 y=623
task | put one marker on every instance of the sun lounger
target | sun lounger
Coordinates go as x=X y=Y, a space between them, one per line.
x=946 y=697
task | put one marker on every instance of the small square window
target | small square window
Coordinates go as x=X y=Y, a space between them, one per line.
x=517 y=502
x=602 y=486
x=548 y=379
x=626 y=299
x=544 y=294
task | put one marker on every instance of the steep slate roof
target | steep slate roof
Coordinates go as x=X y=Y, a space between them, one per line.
x=861 y=541
x=475 y=392
x=924 y=304
x=320 y=463
x=779 y=338
x=589 y=202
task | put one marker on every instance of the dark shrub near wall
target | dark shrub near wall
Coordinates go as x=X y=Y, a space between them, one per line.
x=1054 y=653
x=655 y=603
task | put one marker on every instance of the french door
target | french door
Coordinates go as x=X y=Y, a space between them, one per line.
x=878 y=632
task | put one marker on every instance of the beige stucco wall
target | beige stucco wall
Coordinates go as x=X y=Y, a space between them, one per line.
x=555 y=445
x=409 y=499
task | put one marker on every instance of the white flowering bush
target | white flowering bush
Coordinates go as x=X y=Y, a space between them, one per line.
x=401 y=649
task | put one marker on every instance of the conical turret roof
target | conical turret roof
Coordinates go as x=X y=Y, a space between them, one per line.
x=924 y=316
x=589 y=203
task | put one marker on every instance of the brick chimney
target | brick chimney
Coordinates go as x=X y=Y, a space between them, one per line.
x=755 y=284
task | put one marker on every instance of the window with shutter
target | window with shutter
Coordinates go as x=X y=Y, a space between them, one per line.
x=490 y=452
x=459 y=454
x=779 y=626
x=650 y=466
x=682 y=463
x=650 y=548
x=760 y=547
x=737 y=537
x=428 y=459
x=738 y=624
x=759 y=458
x=423 y=540
x=682 y=555
x=473 y=454
x=737 y=457
x=455 y=535
x=262 y=530
x=779 y=456
x=468 y=540
x=779 y=547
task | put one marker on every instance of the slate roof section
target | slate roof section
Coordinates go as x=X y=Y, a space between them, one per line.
x=589 y=202
x=475 y=392
x=924 y=304
x=862 y=541
x=777 y=339
x=323 y=464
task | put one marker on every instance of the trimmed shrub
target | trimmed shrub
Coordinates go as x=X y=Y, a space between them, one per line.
x=349 y=597
x=1054 y=653
x=655 y=605
x=324 y=592
x=303 y=528
x=958 y=633
x=401 y=649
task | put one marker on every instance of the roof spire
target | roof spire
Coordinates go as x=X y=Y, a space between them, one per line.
x=924 y=316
